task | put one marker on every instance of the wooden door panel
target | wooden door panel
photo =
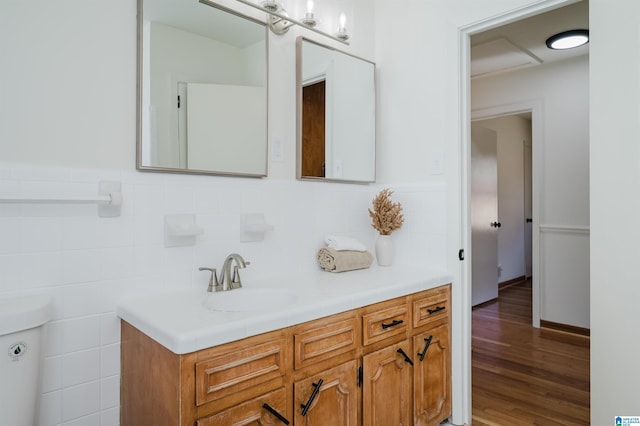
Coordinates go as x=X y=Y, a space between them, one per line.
x=313 y=129
x=432 y=377
x=387 y=394
x=336 y=402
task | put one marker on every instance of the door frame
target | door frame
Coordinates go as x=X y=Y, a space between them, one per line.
x=463 y=393
x=535 y=107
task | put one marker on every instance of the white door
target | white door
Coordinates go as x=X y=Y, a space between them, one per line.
x=528 y=225
x=484 y=215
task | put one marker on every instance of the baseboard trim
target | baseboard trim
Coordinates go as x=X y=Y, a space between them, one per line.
x=565 y=328
x=488 y=302
x=511 y=282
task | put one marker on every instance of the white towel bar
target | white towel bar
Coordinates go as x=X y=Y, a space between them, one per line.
x=109 y=199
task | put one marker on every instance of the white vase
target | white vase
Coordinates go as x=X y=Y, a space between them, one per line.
x=385 y=250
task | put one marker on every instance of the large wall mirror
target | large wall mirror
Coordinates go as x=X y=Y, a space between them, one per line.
x=336 y=114
x=202 y=89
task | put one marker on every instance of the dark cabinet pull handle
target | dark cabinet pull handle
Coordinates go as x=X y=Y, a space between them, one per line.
x=393 y=323
x=305 y=407
x=406 y=357
x=438 y=309
x=275 y=413
x=426 y=348
x=495 y=224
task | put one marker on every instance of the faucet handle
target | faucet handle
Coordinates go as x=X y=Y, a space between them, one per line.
x=235 y=280
x=213 y=279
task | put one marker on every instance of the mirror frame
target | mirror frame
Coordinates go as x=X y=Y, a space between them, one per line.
x=139 y=94
x=299 y=42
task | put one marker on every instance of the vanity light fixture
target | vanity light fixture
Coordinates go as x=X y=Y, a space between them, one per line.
x=279 y=21
x=568 y=39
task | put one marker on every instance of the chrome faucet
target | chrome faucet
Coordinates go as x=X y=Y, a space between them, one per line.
x=226 y=281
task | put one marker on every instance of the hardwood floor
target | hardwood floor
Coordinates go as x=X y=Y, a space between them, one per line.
x=522 y=375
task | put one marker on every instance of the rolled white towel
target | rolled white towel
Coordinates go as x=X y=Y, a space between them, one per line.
x=341 y=243
x=341 y=261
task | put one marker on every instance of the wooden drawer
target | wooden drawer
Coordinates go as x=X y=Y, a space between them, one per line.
x=384 y=323
x=432 y=307
x=325 y=338
x=252 y=412
x=237 y=368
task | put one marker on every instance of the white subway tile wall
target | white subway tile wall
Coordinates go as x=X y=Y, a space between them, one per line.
x=87 y=263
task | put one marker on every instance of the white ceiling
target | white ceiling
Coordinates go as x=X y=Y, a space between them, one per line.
x=521 y=44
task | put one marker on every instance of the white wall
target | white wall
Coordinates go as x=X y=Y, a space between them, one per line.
x=68 y=92
x=615 y=177
x=563 y=166
x=512 y=132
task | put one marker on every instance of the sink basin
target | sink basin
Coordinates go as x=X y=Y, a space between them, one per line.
x=248 y=299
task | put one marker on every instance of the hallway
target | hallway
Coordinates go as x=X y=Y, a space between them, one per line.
x=522 y=375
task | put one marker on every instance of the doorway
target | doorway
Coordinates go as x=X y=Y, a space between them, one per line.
x=533 y=104
x=501 y=204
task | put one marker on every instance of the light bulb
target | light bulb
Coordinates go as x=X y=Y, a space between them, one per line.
x=342 y=29
x=309 y=20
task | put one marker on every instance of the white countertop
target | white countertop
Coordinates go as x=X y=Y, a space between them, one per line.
x=179 y=321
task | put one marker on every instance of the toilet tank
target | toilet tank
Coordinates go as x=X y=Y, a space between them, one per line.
x=21 y=331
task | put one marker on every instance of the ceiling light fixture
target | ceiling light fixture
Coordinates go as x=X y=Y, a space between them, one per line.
x=568 y=39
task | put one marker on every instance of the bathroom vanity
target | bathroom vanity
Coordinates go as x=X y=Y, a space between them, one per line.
x=360 y=357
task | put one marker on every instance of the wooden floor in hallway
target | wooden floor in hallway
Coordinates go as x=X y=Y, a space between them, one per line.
x=522 y=375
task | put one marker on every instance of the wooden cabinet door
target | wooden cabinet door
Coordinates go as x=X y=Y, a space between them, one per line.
x=386 y=387
x=432 y=376
x=253 y=412
x=336 y=401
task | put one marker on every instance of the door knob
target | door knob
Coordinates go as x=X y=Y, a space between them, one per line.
x=529 y=220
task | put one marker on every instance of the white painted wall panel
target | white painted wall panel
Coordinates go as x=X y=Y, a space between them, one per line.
x=615 y=232
x=565 y=260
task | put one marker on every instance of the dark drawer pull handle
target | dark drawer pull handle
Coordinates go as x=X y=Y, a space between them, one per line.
x=406 y=357
x=426 y=348
x=305 y=407
x=275 y=413
x=393 y=323
x=438 y=309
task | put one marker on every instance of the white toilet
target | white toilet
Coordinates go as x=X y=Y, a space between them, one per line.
x=21 y=328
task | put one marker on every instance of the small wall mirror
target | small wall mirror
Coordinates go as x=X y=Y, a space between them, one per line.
x=336 y=114
x=202 y=89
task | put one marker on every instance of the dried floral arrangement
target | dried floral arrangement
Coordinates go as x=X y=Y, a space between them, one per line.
x=386 y=215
